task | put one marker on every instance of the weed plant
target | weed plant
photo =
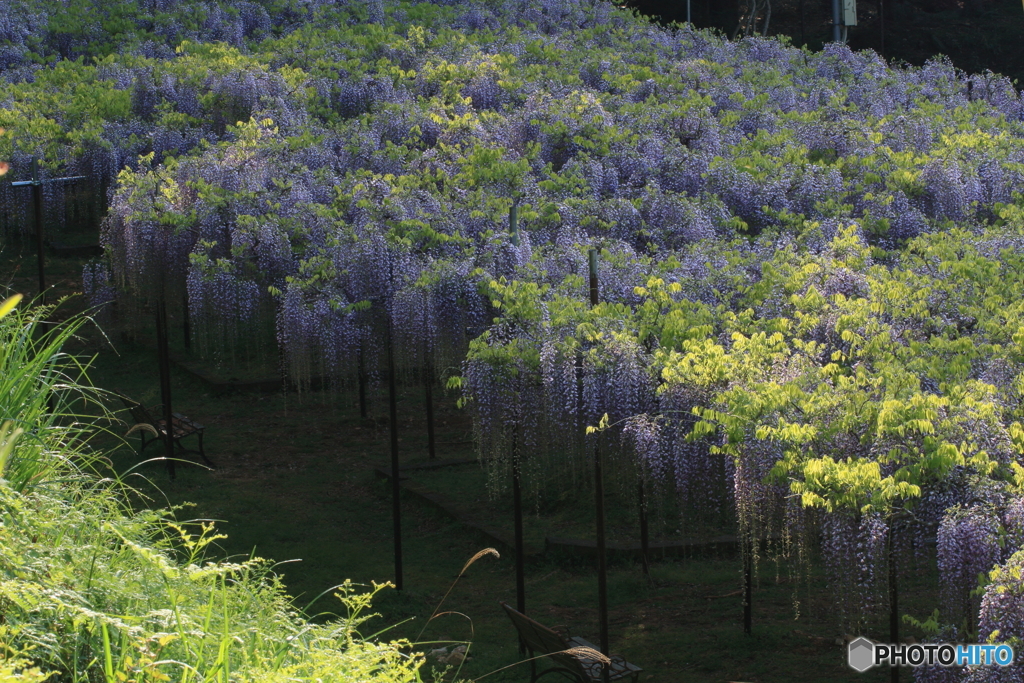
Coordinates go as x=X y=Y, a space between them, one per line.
x=93 y=591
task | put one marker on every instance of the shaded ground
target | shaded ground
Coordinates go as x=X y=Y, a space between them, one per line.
x=295 y=483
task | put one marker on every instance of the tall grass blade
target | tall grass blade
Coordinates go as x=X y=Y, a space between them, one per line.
x=482 y=553
x=8 y=305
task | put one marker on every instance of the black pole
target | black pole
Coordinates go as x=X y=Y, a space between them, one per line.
x=65 y=213
x=881 y=25
x=517 y=511
x=102 y=205
x=593 y=276
x=836 y=37
x=645 y=541
x=602 y=567
x=186 y=327
x=76 y=212
x=894 y=609
x=93 y=211
x=428 y=385
x=803 y=38
x=37 y=209
x=748 y=583
x=164 y=362
x=361 y=378
x=513 y=222
x=396 y=508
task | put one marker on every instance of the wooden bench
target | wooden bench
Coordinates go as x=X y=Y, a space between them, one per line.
x=181 y=427
x=541 y=640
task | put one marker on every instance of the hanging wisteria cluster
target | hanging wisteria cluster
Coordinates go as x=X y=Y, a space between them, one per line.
x=968 y=547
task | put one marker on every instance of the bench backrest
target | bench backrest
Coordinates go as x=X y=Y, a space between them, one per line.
x=137 y=410
x=542 y=640
x=537 y=637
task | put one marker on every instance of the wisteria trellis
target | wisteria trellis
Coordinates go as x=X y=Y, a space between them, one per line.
x=816 y=252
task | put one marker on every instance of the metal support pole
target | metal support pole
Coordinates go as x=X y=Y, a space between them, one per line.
x=361 y=379
x=396 y=507
x=513 y=222
x=592 y=259
x=93 y=209
x=186 y=327
x=602 y=567
x=836 y=35
x=428 y=385
x=37 y=209
x=645 y=541
x=881 y=26
x=803 y=38
x=76 y=211
x=894 y=608
x=517 y=511
x=748 y=584
x=164 y=361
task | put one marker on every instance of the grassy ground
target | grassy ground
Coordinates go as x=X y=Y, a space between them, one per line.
x=295 y=483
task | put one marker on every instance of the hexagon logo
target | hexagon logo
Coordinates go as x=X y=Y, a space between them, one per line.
x=861 y=654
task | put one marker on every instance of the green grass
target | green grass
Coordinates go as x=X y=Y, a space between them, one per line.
x=92 y=590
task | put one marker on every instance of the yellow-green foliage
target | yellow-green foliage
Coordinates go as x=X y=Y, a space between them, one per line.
x=91 y=590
